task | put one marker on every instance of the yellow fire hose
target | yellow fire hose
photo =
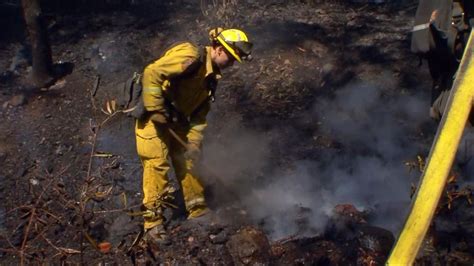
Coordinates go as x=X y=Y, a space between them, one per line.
x=438 y=164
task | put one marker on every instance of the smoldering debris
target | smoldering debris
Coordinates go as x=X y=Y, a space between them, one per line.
x=377 y=133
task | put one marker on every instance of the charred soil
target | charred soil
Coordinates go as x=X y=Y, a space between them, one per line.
x=70 y=179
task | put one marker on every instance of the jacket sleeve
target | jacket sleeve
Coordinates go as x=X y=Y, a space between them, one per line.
x=198 y=123
x=440 y=36
x=156 y=76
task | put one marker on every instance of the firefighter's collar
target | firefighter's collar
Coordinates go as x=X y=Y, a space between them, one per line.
x=210 y=69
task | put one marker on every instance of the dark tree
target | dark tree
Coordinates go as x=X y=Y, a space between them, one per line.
x=42 y=73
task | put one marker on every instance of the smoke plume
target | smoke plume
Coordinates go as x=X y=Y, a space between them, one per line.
x=378 y=133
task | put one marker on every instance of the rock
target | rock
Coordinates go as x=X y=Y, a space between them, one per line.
x=249 y=246
x=220 y=238
x=56 y=86
x=216 y=228
x=17 y=100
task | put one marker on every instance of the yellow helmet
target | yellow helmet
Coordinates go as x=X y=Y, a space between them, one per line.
x=236 y=43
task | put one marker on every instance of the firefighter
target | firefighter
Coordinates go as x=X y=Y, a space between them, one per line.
x=178 y=89
x=444 y=60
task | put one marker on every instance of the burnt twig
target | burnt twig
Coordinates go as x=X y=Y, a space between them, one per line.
x=96 y=86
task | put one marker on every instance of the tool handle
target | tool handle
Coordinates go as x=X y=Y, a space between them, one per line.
x=178 y=138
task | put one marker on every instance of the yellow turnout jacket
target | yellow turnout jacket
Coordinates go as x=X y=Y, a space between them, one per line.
x=185 y=77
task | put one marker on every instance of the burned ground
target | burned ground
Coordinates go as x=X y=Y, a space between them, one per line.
x=310 y=156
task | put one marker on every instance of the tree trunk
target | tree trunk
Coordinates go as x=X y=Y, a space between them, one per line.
x=41 y=74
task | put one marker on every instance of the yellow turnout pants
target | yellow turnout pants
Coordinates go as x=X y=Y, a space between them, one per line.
x=154 y=145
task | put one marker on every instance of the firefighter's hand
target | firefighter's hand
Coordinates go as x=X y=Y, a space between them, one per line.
x=192 y=152
x=434 y=15
x=159 y=118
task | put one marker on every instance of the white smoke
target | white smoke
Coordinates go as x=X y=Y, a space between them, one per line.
x=378 y=132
